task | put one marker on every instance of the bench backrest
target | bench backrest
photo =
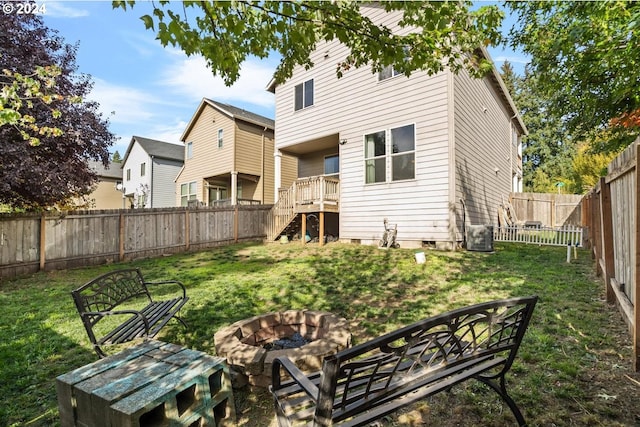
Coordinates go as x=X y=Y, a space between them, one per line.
x=109 y=290
x=394 y=364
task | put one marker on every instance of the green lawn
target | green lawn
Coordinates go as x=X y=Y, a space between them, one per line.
x=574 y=367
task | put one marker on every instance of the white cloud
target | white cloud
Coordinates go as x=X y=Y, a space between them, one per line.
x=193 y=79
x=121 y=104
x=65 y=10
x=512 y=59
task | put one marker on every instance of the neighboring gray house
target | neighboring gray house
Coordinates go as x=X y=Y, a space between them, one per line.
x=430 y=153
x=149 y=170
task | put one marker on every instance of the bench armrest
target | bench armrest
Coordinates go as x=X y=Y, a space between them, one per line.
x=145 y=321
x=296 y=375
x=164 y=282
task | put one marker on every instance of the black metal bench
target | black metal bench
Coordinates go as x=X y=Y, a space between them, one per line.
x=116 y=295
x=364 y=383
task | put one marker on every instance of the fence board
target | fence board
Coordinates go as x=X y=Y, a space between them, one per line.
x=621 y=183
x=94 y=237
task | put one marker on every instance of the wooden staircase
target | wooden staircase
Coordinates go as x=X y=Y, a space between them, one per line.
x=306 y=195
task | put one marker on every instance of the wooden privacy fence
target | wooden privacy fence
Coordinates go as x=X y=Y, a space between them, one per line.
x=29 y=243
x=611 y=213
x=551 y=210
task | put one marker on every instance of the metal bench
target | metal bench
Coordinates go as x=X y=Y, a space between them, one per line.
x=117 y=295
x=364 y=383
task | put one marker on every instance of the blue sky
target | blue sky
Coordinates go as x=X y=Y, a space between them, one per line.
x=151 y=91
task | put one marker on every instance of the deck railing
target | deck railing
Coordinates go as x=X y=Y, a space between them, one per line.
x=552 y=236
x=316 y=193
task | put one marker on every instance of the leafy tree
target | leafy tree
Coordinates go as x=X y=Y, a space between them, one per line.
x=53 y=169
x=226 y=33
x=116 y=158
x=586 y=56
x=17 y=90
x=588 y=166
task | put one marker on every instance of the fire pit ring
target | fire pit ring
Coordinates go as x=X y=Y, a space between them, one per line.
x=243 y=343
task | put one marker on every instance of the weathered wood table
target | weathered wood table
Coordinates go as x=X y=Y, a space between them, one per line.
x=149 y=384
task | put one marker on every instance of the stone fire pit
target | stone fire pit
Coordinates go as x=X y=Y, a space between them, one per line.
x=242 y=343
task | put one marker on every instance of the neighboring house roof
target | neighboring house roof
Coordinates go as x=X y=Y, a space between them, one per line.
x=114 y=170
x=155 y=148
x=232 y=112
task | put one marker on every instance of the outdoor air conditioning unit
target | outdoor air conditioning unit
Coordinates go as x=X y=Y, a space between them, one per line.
x=480 y=238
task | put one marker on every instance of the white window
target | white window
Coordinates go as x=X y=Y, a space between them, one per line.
x=220 y=137
x=332 y=165
x=188 y=192
x=403 y=153
x=189 y=150
x=375 y=157
x=143 y=167
x=303 y=95
x=392 y=150
x=128 y=174
x=388 y=72
x=217 y=193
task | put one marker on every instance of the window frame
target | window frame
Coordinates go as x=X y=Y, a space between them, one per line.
x=302 y=104
x=220 y=138
x=189 y=196
x=143 y=168
x=389 y=156
x=324 y=164
x=374 y=157
x=189 y=150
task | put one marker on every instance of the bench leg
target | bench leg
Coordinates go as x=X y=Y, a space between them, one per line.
x=501 y=389
x=181 y=321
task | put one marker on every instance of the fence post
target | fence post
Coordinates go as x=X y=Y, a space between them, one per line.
x=121 y=236
x=606 y=233
x=235 y=224
x=636 y=271
x=187 y=229
x=43 y=224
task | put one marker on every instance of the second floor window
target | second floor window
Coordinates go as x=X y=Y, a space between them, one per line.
x=303 y=95
x=220 y=137
x=388 y=72
x=143 y=168
x=189 y=150
x=128 y=174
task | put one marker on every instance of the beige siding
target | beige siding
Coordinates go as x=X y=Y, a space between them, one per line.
x=106 y=196
x=458 y=145
x=208 y=160
x=483 y=150
x=313 y=164
x=358 y=104
x=254 y=156
x=289 y=170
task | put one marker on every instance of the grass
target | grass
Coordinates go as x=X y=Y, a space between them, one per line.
x=574 y=367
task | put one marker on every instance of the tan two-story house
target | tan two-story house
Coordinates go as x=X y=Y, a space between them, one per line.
x=431 y=153
x=229 y=158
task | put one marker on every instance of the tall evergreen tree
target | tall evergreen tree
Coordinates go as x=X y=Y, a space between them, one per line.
x=36 y=176
x=548 y=149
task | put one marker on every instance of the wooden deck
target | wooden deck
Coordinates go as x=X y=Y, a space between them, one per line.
x=306 y=195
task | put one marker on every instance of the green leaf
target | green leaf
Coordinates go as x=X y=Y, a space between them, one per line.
x=148 y=22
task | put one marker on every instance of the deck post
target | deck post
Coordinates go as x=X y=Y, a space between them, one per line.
x=304 y=228
x=321 y=229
